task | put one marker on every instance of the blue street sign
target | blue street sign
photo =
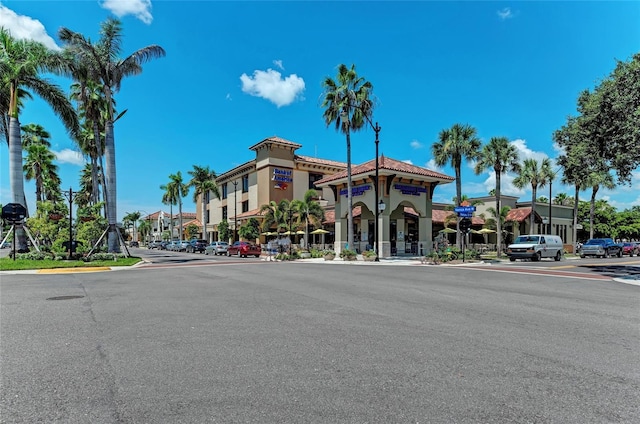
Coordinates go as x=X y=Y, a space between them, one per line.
x=464 y=209
x=465 y=215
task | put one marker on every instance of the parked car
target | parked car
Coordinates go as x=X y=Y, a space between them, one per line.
x=155 y=244
x=217 y=248
x=177 y=246
x=535 y=247
x=244 y=249
x=630 y=248
x=196 y=245
x=601 y=248
x=134 y=244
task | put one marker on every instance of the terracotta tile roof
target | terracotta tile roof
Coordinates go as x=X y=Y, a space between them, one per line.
x=388 y=164
x=249 y=214
x=439 y=216
x=153 y=216
x=276 y=140
x=185 y=215
x=195 y=222
x=329 y=216
x=520 y=214
x=321 y=161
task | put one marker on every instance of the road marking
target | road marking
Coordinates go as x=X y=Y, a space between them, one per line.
x=560 y=274
x=562 y=267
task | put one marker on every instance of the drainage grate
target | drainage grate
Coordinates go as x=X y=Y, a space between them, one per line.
x=64 y=297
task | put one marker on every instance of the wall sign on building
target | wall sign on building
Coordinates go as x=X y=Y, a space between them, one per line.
x=409 y=189
x=282 y=175
x=356 y=191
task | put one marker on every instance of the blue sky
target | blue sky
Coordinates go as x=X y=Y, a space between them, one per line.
x=238 y=72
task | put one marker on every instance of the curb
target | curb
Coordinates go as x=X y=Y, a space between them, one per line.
x=70 y=270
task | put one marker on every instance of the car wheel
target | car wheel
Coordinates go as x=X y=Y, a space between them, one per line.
x=537 y=257
x=558 y=256
x=512 y=259
x=619 y=253
x=257 y=256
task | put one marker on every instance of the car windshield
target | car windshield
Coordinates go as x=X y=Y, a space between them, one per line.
x=594 y=242
x=527 y=239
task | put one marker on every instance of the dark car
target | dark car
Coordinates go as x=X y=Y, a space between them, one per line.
x=134 y=244
x=244 y=249
x=196 y=245
x=630 y=248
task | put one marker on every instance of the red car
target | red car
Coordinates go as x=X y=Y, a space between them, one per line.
x=630 y=248
x=242 y=249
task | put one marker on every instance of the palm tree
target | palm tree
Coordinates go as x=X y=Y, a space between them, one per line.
x=595 y=180
x=310 y=211
x=502 y=156
x=499 y=221
x=170 y=198
x=34 y=133
x=348 y=104
x=102 y=62
x=178 y=190
x=453 y=145
x=563 y=199
x=39 y=166
x=536 y=174
x=21 y=62
x=273 y=215
x=133 y=218
x=203 y=180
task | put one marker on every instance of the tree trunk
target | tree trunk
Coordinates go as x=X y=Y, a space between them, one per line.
x=575 y=219
x=592 y=209
x=204 y=221
x=498 y=216
x=349 y=195
x=16 y=176
x=110 y=187
x=534 y=191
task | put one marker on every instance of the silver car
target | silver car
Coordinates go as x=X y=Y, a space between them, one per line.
x=217 y=248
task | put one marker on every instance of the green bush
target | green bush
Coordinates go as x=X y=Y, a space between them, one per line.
x=369 y=253
x=348 y=254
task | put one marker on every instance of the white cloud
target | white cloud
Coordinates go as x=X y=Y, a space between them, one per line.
x=409 y=161
x=278 y=64
x=69 y=156
x=526 y=153
x=415 y=144
x=141 y=9
x=25 y=28
x=431 y=165
x=505 y=13
x=270 y=85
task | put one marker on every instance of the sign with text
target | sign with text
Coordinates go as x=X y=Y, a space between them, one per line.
x=356 y=191
x=409 y=189
x=282 y=175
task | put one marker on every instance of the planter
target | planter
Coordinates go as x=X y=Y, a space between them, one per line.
x=349 y=258
x=86 y=218
x=305 y=255
x=55 y=216
x=369 y=258
x=329 y=257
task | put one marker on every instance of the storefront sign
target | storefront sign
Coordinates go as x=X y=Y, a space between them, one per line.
x=282 y=175
x=356 y=191
x=411 y=190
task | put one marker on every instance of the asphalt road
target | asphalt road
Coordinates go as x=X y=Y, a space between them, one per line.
x=246 y=341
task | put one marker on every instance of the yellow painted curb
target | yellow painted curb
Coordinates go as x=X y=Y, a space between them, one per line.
x=65 y=270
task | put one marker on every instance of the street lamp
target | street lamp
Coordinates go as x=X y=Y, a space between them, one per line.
x=235 y=211
x=379 y=206
x=70 y=195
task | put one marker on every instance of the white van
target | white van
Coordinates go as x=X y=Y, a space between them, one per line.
x=536 y=247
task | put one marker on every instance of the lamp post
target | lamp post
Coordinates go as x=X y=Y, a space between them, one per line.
x=378 y=206
x=552 y=176
x=70 y=195
x=149 y=230
x=235 y=211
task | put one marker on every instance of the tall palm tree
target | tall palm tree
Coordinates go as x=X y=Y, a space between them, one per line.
x=348 y=103
x=563 y=199
x=537 y=175
x=498 y=221
x=102 y=62
x=21 y=65
x=34 y=133
x=178 y=190
x=133 y=218
x=170 y=198
x=203 y=180
x=39 y=166
x=595 y=180
x=453 y=145
x=502 y=156
x=309 y=210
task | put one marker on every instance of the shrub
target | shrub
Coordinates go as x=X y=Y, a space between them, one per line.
x=348 y=254
x=369 y=253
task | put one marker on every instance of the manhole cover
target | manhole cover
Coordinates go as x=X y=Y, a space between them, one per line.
x=64 y=297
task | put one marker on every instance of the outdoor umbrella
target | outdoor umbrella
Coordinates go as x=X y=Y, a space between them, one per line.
x=448 y=231
x=319 y=231
x=300 y=232
x=486 y=231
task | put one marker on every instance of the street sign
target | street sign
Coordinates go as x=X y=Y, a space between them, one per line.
x=14 y=212
x=465 y=215
x=464 y=209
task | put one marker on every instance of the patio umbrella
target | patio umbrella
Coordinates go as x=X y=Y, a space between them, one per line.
x=300 y=232
x=486 y=231
x=448 y=231
x=287 y=233
x=319 y=231
x=268 y=233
